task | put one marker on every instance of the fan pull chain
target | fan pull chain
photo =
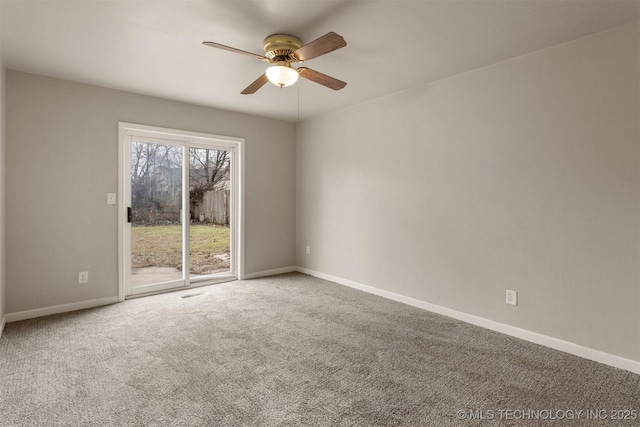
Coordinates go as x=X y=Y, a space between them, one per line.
x=298 y=121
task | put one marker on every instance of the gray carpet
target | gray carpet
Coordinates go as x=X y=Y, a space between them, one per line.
x=291 y=350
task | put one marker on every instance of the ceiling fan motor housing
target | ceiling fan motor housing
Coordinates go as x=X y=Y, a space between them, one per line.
x=278 y=46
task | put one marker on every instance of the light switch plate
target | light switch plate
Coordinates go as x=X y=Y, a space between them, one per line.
x=111 y=198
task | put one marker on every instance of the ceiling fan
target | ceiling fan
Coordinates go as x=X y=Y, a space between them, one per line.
x=282 y=50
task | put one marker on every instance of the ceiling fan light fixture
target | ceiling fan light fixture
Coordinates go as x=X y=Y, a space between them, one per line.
x=281 y=75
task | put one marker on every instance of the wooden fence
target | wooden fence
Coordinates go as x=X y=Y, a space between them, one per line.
x=214 y=206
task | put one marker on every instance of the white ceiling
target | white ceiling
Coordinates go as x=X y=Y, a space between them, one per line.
x=154 y=47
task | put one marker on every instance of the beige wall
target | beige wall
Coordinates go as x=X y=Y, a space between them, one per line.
x=2 y=190
x=522 y=175
x=62 y=160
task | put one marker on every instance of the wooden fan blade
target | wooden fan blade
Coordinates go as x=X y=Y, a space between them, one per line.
x=233 y=49
x=320 y=78
x=325 y=44
x=253 y=87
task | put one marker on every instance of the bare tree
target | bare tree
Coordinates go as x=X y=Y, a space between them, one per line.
x=156 y=181
x=207 y=168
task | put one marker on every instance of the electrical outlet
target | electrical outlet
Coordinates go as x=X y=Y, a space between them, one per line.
x=512 y=297
x=308 y=250
x=83 y=277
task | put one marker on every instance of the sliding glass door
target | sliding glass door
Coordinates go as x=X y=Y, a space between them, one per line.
x=210 y=206
x=156 y=215
x=180 y=195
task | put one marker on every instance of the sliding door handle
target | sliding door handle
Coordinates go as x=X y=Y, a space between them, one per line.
x=129 y=215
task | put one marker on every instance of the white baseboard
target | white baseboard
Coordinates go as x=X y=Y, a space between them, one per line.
x=273 y=272
x=3 y=321
x=534 y=337
x=62 y=308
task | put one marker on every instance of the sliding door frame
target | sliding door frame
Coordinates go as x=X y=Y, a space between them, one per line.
x=189 y=139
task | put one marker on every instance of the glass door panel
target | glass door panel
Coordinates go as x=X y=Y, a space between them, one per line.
x=156 y=208
x=210 y=211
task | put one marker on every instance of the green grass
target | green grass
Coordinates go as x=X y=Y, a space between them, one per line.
x=160 y=246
